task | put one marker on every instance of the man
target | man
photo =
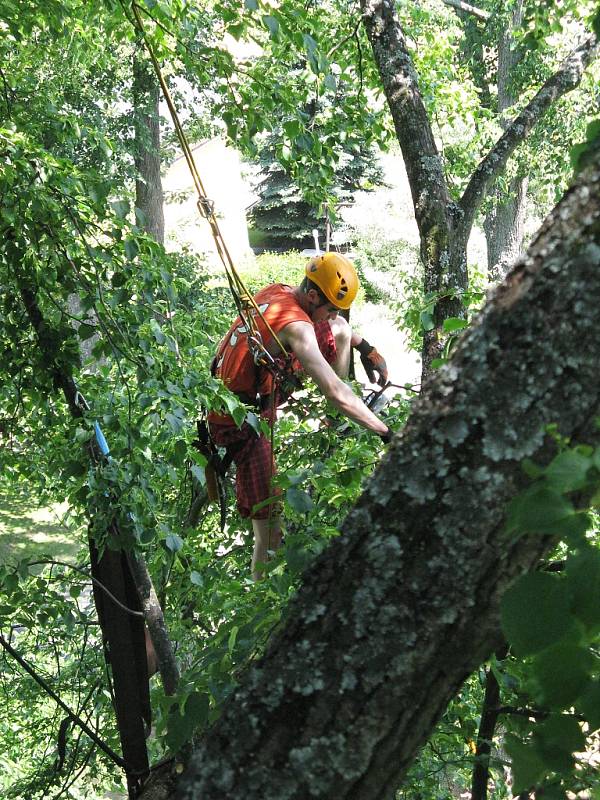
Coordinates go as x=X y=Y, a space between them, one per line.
x=305 y=321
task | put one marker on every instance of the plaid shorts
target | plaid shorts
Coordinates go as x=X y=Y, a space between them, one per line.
x=252 y=454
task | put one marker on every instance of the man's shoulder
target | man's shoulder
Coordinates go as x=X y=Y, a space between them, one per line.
x=279 y=291
x=280 y=306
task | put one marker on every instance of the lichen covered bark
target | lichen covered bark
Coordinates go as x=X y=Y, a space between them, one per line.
x=401 y=607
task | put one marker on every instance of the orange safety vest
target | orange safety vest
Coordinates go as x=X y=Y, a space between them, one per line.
x=234 y=362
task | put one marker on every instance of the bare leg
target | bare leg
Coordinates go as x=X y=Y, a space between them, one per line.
x=342 y=333
x=151 y=656
x=267 y=536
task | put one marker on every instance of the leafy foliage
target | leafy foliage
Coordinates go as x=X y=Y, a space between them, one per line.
x=552 y=620
x=70 y=238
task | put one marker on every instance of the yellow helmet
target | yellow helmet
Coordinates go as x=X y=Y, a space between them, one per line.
x=335 y=276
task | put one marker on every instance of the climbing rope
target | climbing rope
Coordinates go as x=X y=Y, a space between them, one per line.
x=245 y=303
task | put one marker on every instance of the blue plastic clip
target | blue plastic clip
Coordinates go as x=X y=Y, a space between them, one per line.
x=102 y=444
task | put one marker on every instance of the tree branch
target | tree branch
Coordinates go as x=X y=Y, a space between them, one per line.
x=153 y=615
x=468 y=9
x=485 y=735
x=564 y=80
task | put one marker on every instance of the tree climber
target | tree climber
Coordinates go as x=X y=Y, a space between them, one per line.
x=305 y=319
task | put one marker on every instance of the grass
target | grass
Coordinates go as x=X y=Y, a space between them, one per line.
x=30 y=531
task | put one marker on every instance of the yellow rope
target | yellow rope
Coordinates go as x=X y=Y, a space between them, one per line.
x=205 y=207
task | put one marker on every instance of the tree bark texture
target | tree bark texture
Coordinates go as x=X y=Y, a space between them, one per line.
x=504 y=223
x=466 y=8
x=395 y=614
x=504 y=228
x=148 y=186
x=155 y=621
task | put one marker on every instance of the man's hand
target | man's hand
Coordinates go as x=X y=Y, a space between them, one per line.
x=386 y=437
x=373 y=362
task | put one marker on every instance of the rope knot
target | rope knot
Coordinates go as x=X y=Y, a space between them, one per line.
x=206 y=207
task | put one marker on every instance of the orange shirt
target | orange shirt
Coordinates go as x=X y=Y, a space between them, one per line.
x=234 y=363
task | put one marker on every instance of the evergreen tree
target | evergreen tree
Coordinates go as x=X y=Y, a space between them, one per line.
x=284 y=215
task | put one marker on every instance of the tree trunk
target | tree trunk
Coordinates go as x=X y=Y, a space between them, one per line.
x=444 y=276
x=445 y=226
x=148 y=185
x=504 y=224
x=504 y=228
x=396 y=613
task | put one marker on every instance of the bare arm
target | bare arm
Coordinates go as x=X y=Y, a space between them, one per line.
x=300 y=337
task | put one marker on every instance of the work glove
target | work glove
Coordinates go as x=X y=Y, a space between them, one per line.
x=386 y=437
x=373 y=362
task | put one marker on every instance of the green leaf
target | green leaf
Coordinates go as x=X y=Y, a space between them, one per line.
x=436 y=363
x=85 y=331
x=582 y=576
x=556 y=739
x=74 y=469
x=596 y=23
x=589 y=704
x=181 y=726
x=253 y=420
x=532 y=469
x=292 y=128
x=297 y=557
x=175 y=423
x=174 y=543
x=299 y=500
x=179 y=452
x=196 y=709
x=197 y=457
x=426 y=320
x=273 y=25
x=540 y=510
x=131 y=248
x=535 y=612
x=454 y=324
x=121 y=208
x=562 y=673
x=239 y=415
x=232 y=637
x=330 y=82
x=196 y=578
x=156 y=330
x=236 y=30
x=568 y=471
x=527 y=765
